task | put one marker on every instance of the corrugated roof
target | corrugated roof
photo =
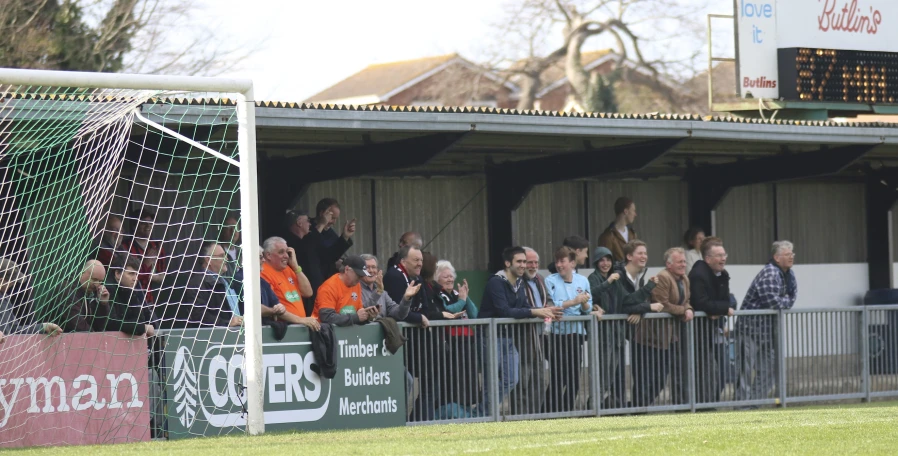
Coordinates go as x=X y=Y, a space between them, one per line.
x=379 y=79
x=463 y=110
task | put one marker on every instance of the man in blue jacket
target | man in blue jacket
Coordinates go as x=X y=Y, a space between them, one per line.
x=505 y=297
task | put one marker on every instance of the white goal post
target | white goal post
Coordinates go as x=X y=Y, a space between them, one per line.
x=246 y=142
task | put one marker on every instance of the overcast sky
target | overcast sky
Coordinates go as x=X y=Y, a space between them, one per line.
x=310 y=45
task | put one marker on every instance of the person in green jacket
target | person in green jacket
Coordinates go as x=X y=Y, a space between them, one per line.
x=619 y=289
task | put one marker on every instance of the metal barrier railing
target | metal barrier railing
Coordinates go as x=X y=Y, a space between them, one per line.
x=505 y=369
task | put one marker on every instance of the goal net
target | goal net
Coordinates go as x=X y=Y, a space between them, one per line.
x=120 y=223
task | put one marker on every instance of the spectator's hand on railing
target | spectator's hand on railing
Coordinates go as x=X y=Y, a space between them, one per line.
x=463 y=290
x=731 y=312
x=236 y=321
x=613 y=277
x=634 y=319
x=598 y=312
x=553 y=312
x=54 y=330
x=149 y=330
x=412 y=290
x=657 y=306
x=688 y=316
x=425 y=323
x=311 y=323
x=448 y=316
x=279 y=309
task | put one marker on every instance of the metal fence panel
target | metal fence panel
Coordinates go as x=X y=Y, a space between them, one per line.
x=504 y=369
x=882 y=338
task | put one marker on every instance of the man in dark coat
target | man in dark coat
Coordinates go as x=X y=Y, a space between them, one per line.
x=710 y=285
x=316 y=257
x=422 y=348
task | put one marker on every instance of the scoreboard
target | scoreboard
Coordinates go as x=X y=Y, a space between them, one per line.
x=842 y=51
x=835 y=75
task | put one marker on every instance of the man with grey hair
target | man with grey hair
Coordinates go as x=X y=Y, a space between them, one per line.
x=286 y=278
x=208 y=298
x=775 y=288
x=530 y=396
x=410 y=238
x=373 y=293
x=653 y=340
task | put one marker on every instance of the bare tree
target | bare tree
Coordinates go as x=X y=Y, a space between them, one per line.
x=140 y=36
x=555 y=30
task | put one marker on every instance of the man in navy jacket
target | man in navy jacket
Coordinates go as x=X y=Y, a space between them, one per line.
x=505 y=297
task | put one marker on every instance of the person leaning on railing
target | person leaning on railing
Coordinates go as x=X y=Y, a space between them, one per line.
x=10 y=276
x=130 y=313
x=612 y=334
x=656 y=342
x=461 y=373
x=775 y=287
x=710 y=285
x=375 y=295
x=570 y=292
x=85 y=299
x=505 y=297
x=633 y=294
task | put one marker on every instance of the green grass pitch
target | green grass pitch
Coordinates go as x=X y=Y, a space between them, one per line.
x=839 y=430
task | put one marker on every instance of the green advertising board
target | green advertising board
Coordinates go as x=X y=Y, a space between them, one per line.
x=205 y=377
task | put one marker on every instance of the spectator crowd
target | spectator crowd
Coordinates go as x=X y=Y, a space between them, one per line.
x=307 y=279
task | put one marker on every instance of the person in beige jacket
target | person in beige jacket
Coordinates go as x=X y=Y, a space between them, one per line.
x=652 y=357
x=620 y=231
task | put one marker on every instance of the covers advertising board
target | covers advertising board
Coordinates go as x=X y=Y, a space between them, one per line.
x=763 y=26
x=206 y=378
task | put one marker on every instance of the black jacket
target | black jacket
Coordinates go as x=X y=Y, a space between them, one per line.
x=632 y=301
x=710 y=293
x=82 y=313
x=324 y=347
x=129 y=313
x=502 y=300
x=317 y=259
x=203 y=304
x=395 y=285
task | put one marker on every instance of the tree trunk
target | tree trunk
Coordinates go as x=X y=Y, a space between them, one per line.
x=583 y=86
x=529 y=88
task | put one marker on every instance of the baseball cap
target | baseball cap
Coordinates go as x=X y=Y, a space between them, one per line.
x=357 y=264
x=9 y=271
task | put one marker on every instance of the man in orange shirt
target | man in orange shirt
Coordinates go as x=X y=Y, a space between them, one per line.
x=339 y=299
x=287 y=281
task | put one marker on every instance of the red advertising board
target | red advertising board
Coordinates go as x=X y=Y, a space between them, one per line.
x=73 y=389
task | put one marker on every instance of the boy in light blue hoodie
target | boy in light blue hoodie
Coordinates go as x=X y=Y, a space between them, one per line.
x=570 y=291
